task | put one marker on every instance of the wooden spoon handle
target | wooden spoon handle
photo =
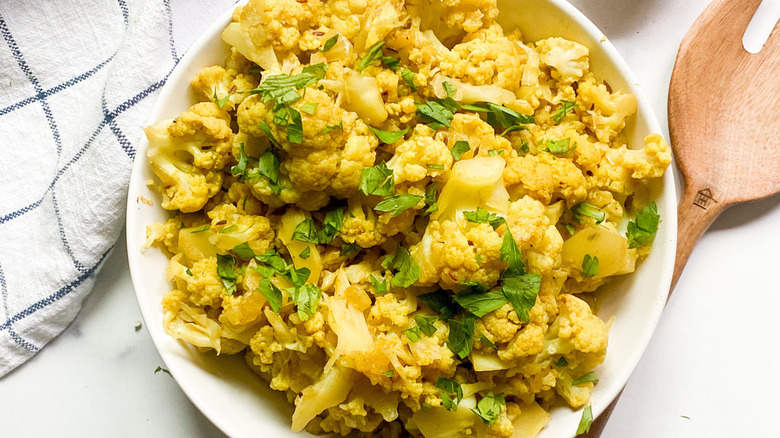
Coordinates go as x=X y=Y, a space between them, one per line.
x=696 y=211
x=698 y=208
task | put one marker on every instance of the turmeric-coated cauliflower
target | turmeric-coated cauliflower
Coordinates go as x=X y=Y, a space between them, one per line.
x=187 y=153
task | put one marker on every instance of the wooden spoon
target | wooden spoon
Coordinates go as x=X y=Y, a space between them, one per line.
x=724 y=121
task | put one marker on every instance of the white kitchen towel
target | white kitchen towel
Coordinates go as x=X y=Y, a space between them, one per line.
x=77 y=80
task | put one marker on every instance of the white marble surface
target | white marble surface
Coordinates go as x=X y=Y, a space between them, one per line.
x=711 y=359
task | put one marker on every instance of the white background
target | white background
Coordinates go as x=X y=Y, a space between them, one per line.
x=713 y=359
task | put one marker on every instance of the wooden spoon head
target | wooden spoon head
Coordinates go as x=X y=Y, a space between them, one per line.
x=724 y=107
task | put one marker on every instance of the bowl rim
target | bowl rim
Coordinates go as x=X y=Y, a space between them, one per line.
x=669 y=194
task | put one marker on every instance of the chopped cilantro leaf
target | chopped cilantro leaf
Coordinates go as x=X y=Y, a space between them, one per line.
x=267 y=131
x=426 y=324
x=397 y=204
x=244 y=251
x=459 y=148
x=389 y=373
x=590 y=266
x=309 y=107
x=585 y=421
x=408 y=77
x=329 y=43
x=388 y=137
x=430 y=198
x=407 y=271
x=489 y=408
x=481 y=216
x=563 y=146
x=228 y=229
x=461 y=338
x=413 y=333
x=271 y=293
x=373 y=54
x=295 y=128
x=585 y=378
x=391 y=62
x=561 y=362
x=563 y=110
x=331 y=225
x=449 y=388
x=349 y=249
x=441 y=303
x=435 y=166
x=225 y=265
x=486 y=341
x=495 y=152
x=521 y=291
x=377 y=180
x=305 y=253
x=306 y=231
x=201 y=229
x=585 y=209
x=642 y=231
x=329 y=128
x=306 y=299
x=480 y=303
x=379 y=287
x=510 y=253
x=434 y=114
x=163 y=370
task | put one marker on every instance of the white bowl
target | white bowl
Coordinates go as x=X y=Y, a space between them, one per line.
x=242 y=405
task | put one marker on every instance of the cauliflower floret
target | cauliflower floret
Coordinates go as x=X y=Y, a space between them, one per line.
x=450 y=20
x=568 y=59
x=577 y=323
x=189 y=323
x=479 y=134
x=544 y=176
x=528 y=222
x=205 y=286
x=419 y=157
x=610 y=110
x=449 y=256
x=278 y=24
x=215 y=84
x=367 y=228
x=335 y=149
x=186 y=153
x=621 y=169
x=232 y=229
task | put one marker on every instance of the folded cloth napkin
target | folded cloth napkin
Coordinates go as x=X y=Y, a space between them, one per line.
x=77 y=80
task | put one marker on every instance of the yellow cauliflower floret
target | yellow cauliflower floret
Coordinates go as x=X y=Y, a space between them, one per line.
x=205 y=286
x=479 y=134
x=487 y=57
x=528 y=341
x=214 y=84
x=414 y=158
x=543 y=176
x=577 y=323
x=620 y=169
x=569 y=60
x=325 y=162
x=391 y=311
x=233 y=228
x=186 y=154
x=278 y=23
x=610 y=110
x=166 y=233
x=449 y=256
x=367 y=228
x=528 y=222
x=500 y=325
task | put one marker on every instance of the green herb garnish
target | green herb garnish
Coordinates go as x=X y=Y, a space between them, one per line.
x=590 y=266
x=388 y=137
x=373 y=54
x=459 y=148
x=563 y=110
x=489 y=408
x=642 y=231
x=397 y=204
x=377 y=180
